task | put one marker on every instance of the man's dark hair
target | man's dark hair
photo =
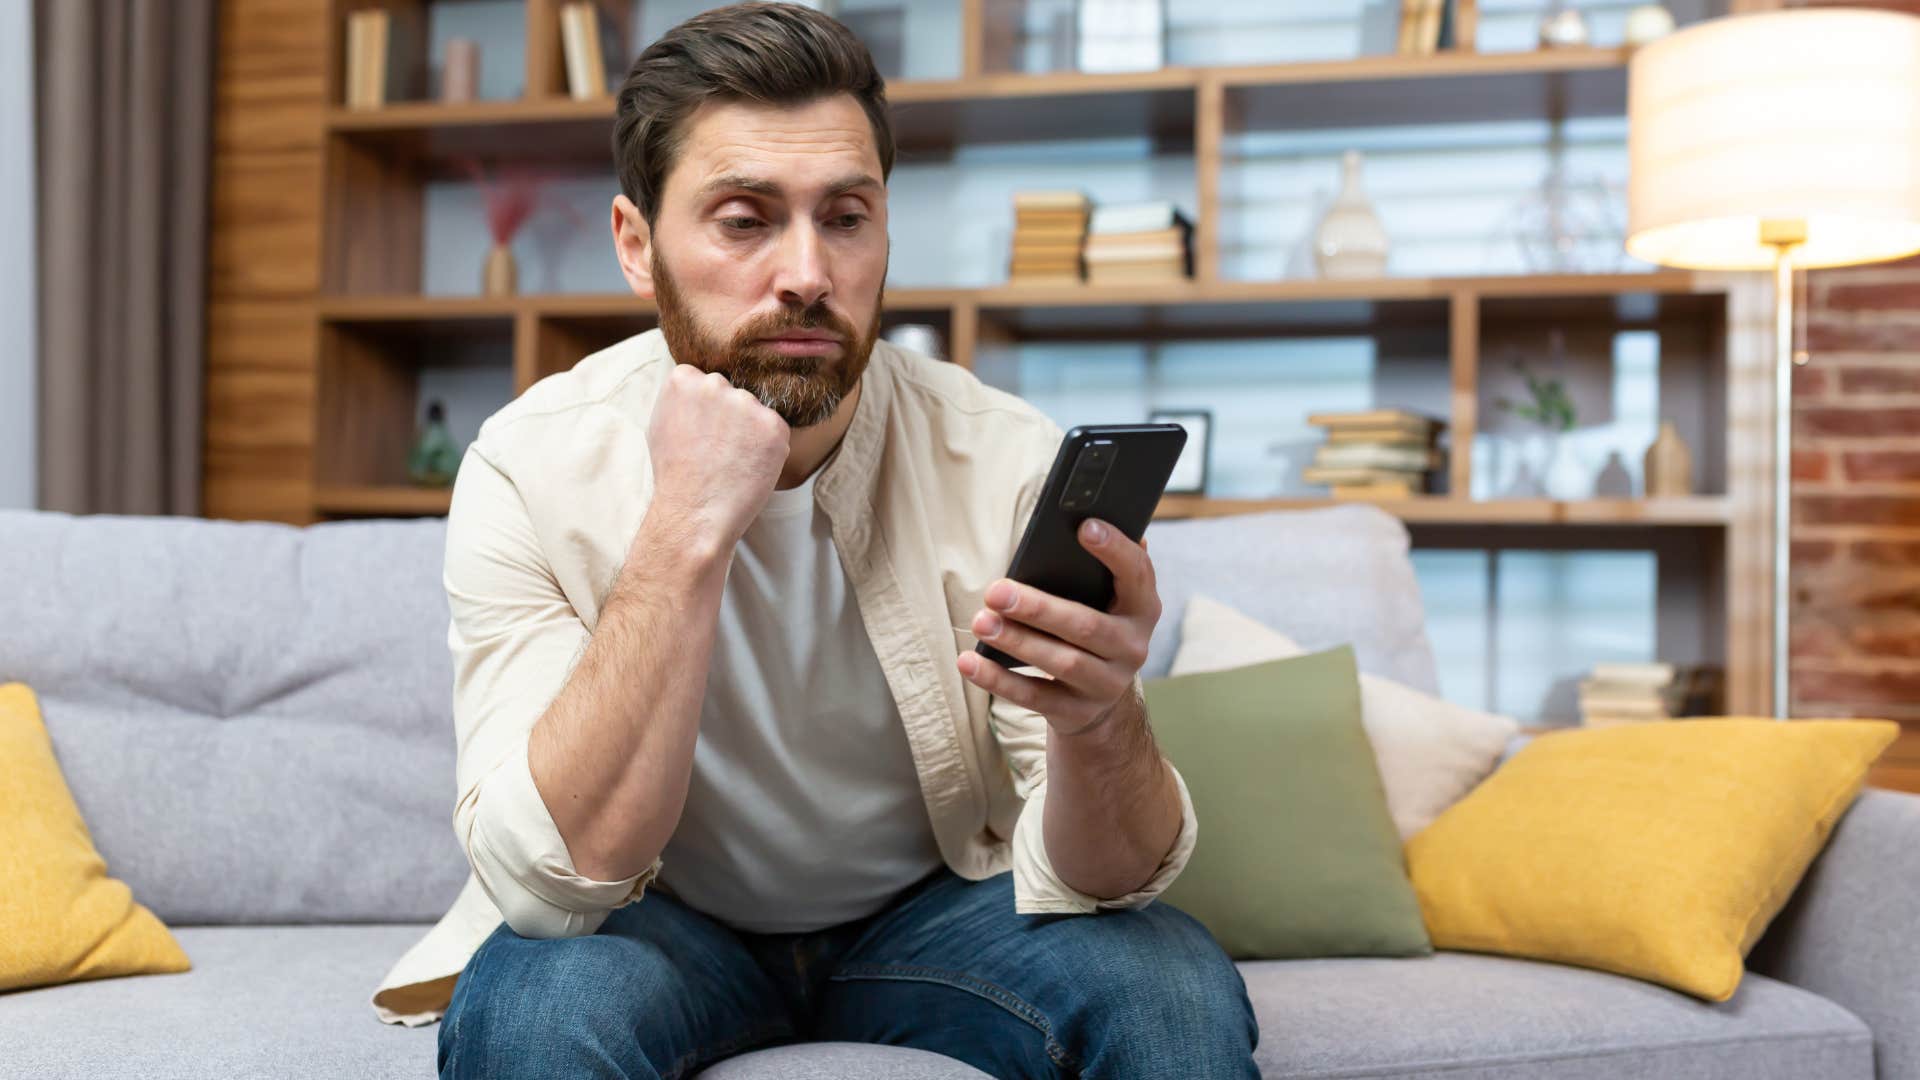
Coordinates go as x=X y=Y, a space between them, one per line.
x=773 y=54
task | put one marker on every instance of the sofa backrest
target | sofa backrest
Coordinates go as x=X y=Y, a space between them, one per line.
x=1327 y=577
x=256 y=719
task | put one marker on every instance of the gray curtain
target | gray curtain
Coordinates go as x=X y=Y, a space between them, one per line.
x=124 y=111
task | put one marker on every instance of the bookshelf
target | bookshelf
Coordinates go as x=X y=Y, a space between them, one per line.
x=351 y=332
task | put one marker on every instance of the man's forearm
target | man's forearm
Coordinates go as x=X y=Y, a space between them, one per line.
x=1112 y=809
x=612 y=754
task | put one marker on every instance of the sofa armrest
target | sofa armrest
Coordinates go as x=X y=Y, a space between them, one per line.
x=1851 y=933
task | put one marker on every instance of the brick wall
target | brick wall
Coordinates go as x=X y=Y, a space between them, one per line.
x=1856 y=505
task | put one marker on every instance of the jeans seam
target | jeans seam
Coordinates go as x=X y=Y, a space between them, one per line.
x=973 y=984
x=453 y=1058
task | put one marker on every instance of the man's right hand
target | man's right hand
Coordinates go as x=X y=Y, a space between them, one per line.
x=717 y=453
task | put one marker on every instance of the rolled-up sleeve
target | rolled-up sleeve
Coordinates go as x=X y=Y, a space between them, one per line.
x=1037 y=890
x=514 y=638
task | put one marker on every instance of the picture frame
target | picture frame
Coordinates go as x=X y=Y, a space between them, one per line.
x=1190 y=472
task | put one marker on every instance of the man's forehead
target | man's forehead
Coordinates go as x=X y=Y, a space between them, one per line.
x=824 y=145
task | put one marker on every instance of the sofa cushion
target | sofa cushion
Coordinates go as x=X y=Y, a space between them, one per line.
x=1338 y=576
x=61 y=917
x=1657 y=850
x=255 y=720
x=1301 y=857
x=1463 y=1016
x=290 y=1002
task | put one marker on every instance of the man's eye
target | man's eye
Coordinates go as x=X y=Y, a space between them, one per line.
x=739 y=224
x=850 y=221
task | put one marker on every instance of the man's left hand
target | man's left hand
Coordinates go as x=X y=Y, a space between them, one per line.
x=1093 y=656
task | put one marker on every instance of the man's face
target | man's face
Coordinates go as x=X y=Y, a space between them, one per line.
x=772 y=229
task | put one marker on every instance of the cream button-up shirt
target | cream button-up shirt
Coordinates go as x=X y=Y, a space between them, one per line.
x=928 y=494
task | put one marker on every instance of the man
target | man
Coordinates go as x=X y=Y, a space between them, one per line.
x=730 y=773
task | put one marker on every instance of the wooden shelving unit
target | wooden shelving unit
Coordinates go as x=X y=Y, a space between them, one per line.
x=375 y=330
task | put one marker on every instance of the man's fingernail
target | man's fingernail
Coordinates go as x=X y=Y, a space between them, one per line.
x=1001 y=595
x=1096 y=532
x=990 y=627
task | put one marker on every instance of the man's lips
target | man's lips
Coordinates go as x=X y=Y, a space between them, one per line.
x=803 y=343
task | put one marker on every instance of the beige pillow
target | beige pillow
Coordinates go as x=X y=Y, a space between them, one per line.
x=1430 y=752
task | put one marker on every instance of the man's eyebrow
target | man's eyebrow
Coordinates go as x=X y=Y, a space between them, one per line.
x=742 y=182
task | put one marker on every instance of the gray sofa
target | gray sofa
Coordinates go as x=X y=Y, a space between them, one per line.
x=254 y=720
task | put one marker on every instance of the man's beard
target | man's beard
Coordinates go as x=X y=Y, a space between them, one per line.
x=804 y=390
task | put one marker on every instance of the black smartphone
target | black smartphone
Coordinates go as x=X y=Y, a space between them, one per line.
x=1114 y=472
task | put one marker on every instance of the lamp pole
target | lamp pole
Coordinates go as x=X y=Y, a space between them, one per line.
x=1783 y=236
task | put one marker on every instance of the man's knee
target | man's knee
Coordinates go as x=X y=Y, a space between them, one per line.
x=1175 y=997
x=566 y=1006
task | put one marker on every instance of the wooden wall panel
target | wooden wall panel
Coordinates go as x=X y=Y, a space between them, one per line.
x=264 y=260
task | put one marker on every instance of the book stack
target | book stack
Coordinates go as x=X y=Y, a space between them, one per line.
x=1049 y=229
x=1134 y=242
x=380 y=48
x=1628 y=694
x=1376 y=454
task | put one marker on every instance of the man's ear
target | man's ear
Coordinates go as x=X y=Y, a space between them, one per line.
x=633 y=245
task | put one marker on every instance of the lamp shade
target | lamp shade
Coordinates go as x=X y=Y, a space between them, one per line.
x=1810 y=117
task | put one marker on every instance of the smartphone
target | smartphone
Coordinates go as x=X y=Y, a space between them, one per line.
x=1114 y=472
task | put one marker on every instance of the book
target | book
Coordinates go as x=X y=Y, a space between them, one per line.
x=1427 y=28
x=1174 y=236
x=1316 y=474
x=1049 y=237
x=1655 y=673
x=1041 y=218
x=1466 y=25
x=380 y=61
x=1409 y=18
x=1051 y=200
x=1381 y=437
x=1043 y=266
x=1141 y=253
x=1378 y=456
x=1160 y=216
x=1380 y=490
x=1394 y=425
x=354 y=86
x=583 y=49
x=1111 y=276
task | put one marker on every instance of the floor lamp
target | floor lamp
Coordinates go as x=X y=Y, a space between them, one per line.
x=1777 y=141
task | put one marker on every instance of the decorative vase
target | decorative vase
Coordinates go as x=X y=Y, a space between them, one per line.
x=1648 y=23
x=1669 y=463
x=1350 y=242
x=1564 y=28
x=501 y=277
x=434 y=457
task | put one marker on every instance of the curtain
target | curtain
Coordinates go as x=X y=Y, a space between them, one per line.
x=123 y=102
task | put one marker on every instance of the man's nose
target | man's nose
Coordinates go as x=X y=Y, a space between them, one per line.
x=802 y=274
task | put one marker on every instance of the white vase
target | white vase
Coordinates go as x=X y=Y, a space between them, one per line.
x=1350 y=242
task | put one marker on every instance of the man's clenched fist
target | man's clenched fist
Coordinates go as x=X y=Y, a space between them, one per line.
x=717 y=453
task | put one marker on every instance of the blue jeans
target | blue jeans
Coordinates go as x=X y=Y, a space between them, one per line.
x=664 y=991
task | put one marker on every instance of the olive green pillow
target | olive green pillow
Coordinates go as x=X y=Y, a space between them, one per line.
x=1298 y=856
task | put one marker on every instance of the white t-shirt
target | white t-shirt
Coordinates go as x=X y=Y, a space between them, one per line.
x=801 y=748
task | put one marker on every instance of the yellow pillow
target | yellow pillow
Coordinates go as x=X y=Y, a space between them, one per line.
x=62 y=918
x=1659 y=850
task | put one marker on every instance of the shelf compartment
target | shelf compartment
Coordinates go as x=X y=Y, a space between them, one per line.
x=1012 y=107
x=372 y=370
